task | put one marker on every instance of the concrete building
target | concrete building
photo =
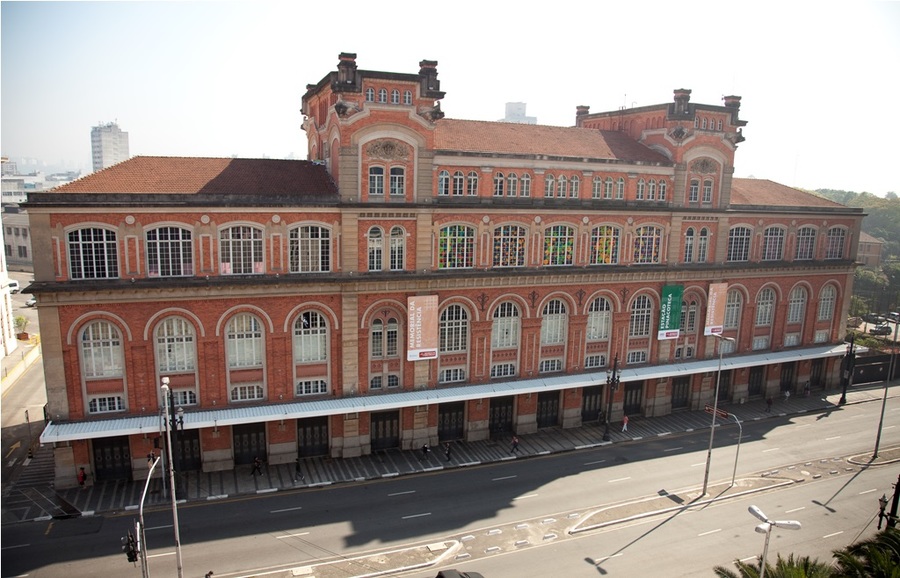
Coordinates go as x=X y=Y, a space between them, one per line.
x=109 y=145
x=426 y=279
x=870 y=250
x=515 y=112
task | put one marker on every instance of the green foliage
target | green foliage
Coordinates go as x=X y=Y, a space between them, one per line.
x=790 y=567
x=882 y=219
x=878 y=557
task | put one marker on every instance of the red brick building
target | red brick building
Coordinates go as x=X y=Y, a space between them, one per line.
x=273 y=296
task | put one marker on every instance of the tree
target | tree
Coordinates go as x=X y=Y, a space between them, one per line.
x=791 y=567
x=878 y=557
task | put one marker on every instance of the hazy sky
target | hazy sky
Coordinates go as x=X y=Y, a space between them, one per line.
x=819 y=80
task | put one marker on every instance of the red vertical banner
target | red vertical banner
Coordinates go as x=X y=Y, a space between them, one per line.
x=715 y=309
x=422 y=327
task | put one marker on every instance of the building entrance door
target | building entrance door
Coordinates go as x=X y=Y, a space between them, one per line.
x=590 y=403
x=249 y=442
x=756 y=380
x=681 y=392
x=788 y=370
x=548 y=409
x=312 y=436
x=385 y=430
x=451 y=421
x=634 y=398
x=501 y=420
x=112 y=458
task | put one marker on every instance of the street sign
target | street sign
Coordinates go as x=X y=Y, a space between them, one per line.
x=719 y=412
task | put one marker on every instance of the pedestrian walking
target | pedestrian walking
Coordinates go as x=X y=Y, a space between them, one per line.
x=769 y=404
x=298 y=474
x=209 y=574
x=806 y=389
x=82 y=476
x=425 y=450
x=257 y=466
x=514 y=447
x=787 y=395
x=447 y=451
x=624 y=423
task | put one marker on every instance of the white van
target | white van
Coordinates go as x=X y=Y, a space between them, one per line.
x=13 y=286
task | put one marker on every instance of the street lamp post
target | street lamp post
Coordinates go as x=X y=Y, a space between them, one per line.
x=178 y=561
x=712 y=429
x=766 y=528
x=848 y=364
x=612 y=382
x=887 y=380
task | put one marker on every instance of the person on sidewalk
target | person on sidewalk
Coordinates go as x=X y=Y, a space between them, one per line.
x=298 y=472
x=515 y=445
x=624 y=423
x=447 y=450
x=787 y=395
x=769 y=404
x=806 y=389
x=257 y=466
x=425 y=450
x=82 y=476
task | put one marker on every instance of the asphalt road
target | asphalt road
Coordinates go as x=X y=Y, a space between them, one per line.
x=253 y=535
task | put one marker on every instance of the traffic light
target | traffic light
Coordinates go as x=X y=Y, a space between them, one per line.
x=129 y=546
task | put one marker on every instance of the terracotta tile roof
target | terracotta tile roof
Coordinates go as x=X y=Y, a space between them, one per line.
x=533 y=139
x=768 y=193
x=213 y=176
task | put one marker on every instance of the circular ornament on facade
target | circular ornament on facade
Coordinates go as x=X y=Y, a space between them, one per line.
x=129 y=219
x=630 y=220
x=537 y=219
x=276 y=219
x=485 y=219
x=585 y=220
x=204 y=219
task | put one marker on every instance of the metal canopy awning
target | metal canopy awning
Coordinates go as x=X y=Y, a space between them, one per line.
x=153 y=424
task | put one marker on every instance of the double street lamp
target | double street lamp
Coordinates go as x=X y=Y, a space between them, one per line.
x=848 y=364
x=612 y=383
x=712 y=429
x=169 y=425
x=766 y=528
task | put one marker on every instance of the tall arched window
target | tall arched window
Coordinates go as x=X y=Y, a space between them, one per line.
x=575 y=187
x=773 y=244
x=526 y=185
x=827 y=300
x=707 y=191
x=694 y=191
x=509 y=246
x=559 y=245
x=93 y=254
x=641 y=315
x=689 y=245
x=605 y=245
x=739 y=244
x=512 y=185
x=688 y=321
x=398 y=181
x=796 y=305
x=101 y=351
x=765 y=307
x=385 y=338
x=562 y=187
x=456 y=247
x=641 y=186
x=472 y=184
x=597 y=188
x=454 y=330
x=505 y=327
x=310 y=338
x=835 y=243
x=398 y=249
x=703 y=245
x=376 y=249
x=459 y=182
x=175 y=348
x=549 y=186
x=395 y=96
x=599 y=322
x=620 y=189
x=734 y=303
x=499 y=181
x=443 y=183
x=244 y=341
x=806 y=244
x=651 y=190
x=169 y=252
x=662 y=190
x=309 y=249
x=554 y=323
x=376 y=181
x=382 y=95
x=647 y=245
x=241 y=250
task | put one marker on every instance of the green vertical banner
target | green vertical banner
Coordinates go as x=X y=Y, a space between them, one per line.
x=670 y=312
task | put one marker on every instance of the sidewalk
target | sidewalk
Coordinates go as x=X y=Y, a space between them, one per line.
x=36 y=499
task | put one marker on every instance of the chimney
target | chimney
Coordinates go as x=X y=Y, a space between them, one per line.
x=682 y=98
x=582 y=110
x=347 y=68
x=428 y=76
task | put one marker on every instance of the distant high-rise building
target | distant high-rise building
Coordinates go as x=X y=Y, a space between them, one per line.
x=515 y=112
x=109 y=145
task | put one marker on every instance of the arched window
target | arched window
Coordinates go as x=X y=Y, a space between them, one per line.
x=694 y=191
x=241 y=250
x=689 y=245
x=765 y=307
x=651 y=191
x=549 y=186
x=310 y=338
x=703 y=245
x=244 y=340
x=509 y=246
x=688 y=321
x=398 y=249
x=385 y=338
x=707 y=191
x=472 y=184
x=169 y=252
x=806 y=244
x=456 y=247
x=382 y=95
x=176 y=350
x=575 y=187
x=562 y=187
x=101 y=351
x=597 y=188
x=498 y=184
x=739 y=244
x=620 y=189
x=662 y=190
x=734 y=303
x=641 y=315
x=444 y=183
x=827 y=300
x=526 y=185
x=398 y=181
x=647 y=245
x=93 y=254
x=559 y=245
x=512 y=185
x=407 y=97
x=835 y=243
x=395 y=96
x=376 y=249
x=505 y=327
x=599 y=321
x=554 y=323
x=458 y=183
x=370 y=95
x=376 y=181
x=454 y=330
x=796 y=305
x=773 y=244
x=641 y=186
x=608 y=188
x=605 y=245
x=309 y=249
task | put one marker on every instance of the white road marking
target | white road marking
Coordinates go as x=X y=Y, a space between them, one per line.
x=832 y=535
x=710 y=532
x=416 y=515
x=771 y=450
x=592 y=463
x=795 y=510
x=619 y=479
x=18 y=546
x=526 y=497
x=832 y=438
x=286 y=510
x=674 y=449
x=700 y=464
x=604 y=558
x=401 y=493
x=157 y=527
x=291 y=535
x=503 y=478
x=867 y=491
x=160 y=555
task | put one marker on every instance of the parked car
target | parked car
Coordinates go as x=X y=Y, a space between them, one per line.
x=893 y=316
x=881 y=330
x=13 y=286
x=874 y=318
x=32 y=301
